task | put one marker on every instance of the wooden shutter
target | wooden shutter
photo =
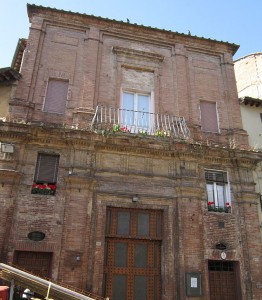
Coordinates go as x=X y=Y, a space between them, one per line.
x=56 y=96
x=46 y=168
x=209 y=120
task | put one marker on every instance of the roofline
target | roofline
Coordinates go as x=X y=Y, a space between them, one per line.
x=17 y=58
x=248 y=55
x=9 y=74
x=32 y=9
x=250 y=101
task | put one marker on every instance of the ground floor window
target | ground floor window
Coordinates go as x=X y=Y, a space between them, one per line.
x=133 y=254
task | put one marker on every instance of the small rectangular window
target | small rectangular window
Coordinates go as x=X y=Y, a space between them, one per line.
x=209 y=120
x=218 y=194
x=46 y=168
x=56 y=96
x=45 y=174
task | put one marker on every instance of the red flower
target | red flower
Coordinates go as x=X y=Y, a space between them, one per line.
x=210 y=203
x=228 y=204
x=52 y=186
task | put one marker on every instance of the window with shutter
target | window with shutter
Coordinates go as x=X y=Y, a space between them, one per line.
x=218 y=193
x=56 y=96
x=46 y=168
x=45 y=174
x=209 y=120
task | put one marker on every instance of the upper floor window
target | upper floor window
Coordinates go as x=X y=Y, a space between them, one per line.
x=56 y=96
x=45 y=177
x=209 y=120
x=135 y=111
x=218 y=194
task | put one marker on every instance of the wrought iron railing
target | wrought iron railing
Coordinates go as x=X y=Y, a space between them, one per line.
x=108 y=119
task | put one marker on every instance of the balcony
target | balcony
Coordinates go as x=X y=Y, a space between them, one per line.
x=116 y=120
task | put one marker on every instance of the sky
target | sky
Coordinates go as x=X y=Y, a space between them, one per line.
x=234 y=21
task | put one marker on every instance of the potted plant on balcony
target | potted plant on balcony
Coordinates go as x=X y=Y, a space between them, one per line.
x=43 y=189
x=228 y=207
x=211 y=206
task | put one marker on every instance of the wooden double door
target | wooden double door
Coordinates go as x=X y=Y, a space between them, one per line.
x=133 y=254
x=224 y=280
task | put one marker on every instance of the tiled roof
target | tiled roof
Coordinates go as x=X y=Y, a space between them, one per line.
x=9 y=74
x=251 y=101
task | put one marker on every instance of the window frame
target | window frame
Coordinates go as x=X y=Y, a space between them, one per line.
x=214 y=203
x=38 y=168
x=136 y=93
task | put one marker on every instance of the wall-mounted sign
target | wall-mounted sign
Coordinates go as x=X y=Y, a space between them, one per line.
x=193 y=284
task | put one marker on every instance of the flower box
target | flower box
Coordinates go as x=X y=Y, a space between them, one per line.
x=43 y=189
x=226 y=209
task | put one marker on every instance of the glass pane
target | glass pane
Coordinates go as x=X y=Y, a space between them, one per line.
x=120 y=254
x=143 y=106
x=221 y=195
x=140 y=288
x=210 y=193
x=119 y=287
x=123 y=222
x=128 y=109
x=143 y=224
x=141 y=256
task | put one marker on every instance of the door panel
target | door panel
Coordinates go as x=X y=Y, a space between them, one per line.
x=132 y=255
x=38 y=263
x=222 y=280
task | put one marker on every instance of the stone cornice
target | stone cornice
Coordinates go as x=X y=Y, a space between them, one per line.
x=79 y=181
x=33 y=134
x=138 y=54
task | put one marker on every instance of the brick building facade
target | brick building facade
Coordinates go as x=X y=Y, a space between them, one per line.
x=125 y=170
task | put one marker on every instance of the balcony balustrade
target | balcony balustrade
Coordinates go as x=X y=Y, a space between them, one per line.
x=113 y=120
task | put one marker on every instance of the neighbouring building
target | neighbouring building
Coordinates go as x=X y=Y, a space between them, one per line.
x=248 y=72
x=125 y=168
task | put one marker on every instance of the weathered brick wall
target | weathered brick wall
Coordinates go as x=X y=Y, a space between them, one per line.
x=100 y=61
x=99 y=58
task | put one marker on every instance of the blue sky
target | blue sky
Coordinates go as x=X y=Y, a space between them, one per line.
x=235 y=21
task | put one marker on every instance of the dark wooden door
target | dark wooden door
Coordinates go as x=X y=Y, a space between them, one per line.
x=223 y=282
x=133 y=254
x=38 y=263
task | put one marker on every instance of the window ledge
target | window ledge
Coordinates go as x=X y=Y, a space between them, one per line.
x=220 y=209
x=43 y=189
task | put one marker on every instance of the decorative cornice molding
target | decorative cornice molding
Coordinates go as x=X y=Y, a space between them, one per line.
x=138 y=54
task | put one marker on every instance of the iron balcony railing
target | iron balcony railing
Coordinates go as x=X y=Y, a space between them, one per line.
x=108 y=119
